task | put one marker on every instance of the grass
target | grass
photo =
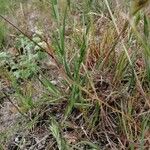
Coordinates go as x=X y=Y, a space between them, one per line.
x=81 y=78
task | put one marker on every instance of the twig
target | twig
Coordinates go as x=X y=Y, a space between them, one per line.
x=27 y=36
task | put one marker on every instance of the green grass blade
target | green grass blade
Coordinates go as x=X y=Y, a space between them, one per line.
x=56 y=132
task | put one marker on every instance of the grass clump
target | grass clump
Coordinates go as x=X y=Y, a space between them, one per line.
x=82 y=84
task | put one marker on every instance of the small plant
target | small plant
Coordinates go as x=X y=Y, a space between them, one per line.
x=26 y=63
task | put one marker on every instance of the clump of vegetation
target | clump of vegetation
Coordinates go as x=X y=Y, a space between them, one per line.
x=79 y=79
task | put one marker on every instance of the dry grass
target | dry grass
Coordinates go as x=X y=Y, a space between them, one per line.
x=90 y=88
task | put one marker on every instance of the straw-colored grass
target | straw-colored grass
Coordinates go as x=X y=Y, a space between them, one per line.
x=82 y=77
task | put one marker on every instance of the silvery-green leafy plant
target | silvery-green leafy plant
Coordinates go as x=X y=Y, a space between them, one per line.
x=25 y=65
